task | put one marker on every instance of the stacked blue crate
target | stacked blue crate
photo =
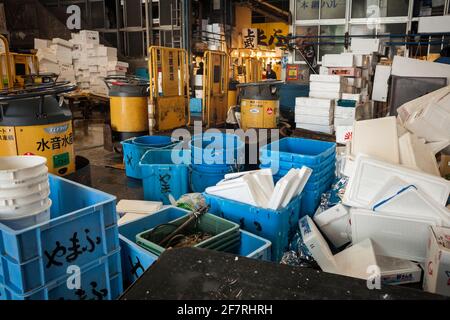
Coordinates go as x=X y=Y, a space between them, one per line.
x=318 y=155
x=81 y=239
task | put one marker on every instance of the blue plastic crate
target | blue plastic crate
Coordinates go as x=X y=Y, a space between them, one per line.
x=311 y=198
x=165 y=172
x=325 y=165
x=135 y=148
x=195 y=105
x=100 y=280
x=307 y=152
x=83 y=228
x=135 y=259
x=276 y=226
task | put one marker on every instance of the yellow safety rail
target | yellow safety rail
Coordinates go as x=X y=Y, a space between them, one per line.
x=169 y=88
x=215 y=88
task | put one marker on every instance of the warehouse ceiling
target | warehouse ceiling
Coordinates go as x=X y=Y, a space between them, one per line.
x=268 y=10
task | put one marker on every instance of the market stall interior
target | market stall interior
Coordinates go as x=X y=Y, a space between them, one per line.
x=301 y=139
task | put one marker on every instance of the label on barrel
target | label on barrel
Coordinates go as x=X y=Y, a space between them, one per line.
x=254 y=110
x=269 y=111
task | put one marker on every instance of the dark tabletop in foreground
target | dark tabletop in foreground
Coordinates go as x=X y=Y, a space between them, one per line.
x=191 y=273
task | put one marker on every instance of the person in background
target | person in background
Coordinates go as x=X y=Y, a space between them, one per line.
x=270 y=74
x=200 y=69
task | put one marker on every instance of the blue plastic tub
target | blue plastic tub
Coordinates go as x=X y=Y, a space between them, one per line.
x=217 y=149
x=135 y=259
x=134 y=149
x=161 y=176
x=303 y=151
x=100 y=280
x=276 y=226
x=195 y=105
x=83 y=229
x=200 y=180
x=311 y=199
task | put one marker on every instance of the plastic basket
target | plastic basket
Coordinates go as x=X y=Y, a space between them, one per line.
x=304 y=151
x=100 y=280
x=278 y=226
x=218 y=227
x=135 y=259
x=135 y=148
x=161 y=177
x=83 y=228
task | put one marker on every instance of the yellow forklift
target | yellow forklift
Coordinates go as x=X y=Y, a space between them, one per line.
x=16 y=69
x=168 y=89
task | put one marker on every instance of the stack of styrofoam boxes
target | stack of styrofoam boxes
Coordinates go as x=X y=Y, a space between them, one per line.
x=324 y=90
x=345 y=113
x=314 y=114
x=215 y=33
x=93 y=62
x=55 y=57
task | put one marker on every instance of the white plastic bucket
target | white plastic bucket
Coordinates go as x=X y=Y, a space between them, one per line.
x=21 y=168
x=24 y=222
x=15 y=212
x=19 y=201
x=6 y=187
x=25 y=189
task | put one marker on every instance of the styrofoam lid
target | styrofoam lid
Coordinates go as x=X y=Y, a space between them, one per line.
x=334 y=213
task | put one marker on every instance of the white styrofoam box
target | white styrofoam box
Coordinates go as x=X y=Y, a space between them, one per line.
x=398 y=271
x=338 y=60
x=370 y=174
x=325 y=95
x=239 y=191
x=349 y=96
x=62 y=42
x=49 y=67
x=354 y=261
x=323 y=121
x=84 y=85
x=325 y=86
x=361 y=60
x=335 y=224
x=365 y=74
x=93 y=69
x=408 y=67
x=365 y=46
x=315 y=127
x=434 y=24
x=41 y=43
x=380 y=83
x=89 y=36
x=393 y=235
x=317 y=245
x=346 y=122
x=355 y=82
x=407 y=109
x=345 y=112
x=282 y=188
x=400 y=197
x=314 y=102
x=437 y=264
x=326 y=78
x=303 y=175
x=343 y=133
x=438 y=145
x=378 y=138
x=431 y=123
x=103 y=51
x=312 y=111
x=323 y=70
x=46 y=56
x=417 y=155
